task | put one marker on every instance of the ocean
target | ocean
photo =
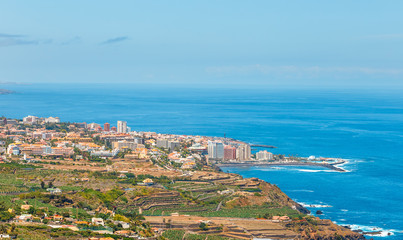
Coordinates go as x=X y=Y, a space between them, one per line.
x=365 y=127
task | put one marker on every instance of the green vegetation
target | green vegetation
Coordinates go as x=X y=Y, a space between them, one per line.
x=107 y=198
x=12 y=166
x=173 y=234
x=204 y=237
x=179 y=234
x=59 y=127
x=239 y=212
x=203 y=226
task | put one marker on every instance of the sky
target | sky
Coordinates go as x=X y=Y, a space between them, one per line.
x=262 y=42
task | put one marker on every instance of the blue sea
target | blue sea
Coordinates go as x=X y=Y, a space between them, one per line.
x=364 y=126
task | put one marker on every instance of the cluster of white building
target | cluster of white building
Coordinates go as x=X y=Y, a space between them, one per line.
x=219 y=151
x=37 y=120
x=242 y=152
x=121 y=138
x=121 y=127
x=38 y=149
x=187 y=162
x=169 y=144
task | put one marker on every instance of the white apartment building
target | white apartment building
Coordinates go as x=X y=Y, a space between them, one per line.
x=243 y=152
x=122 y=127
x=30 y=120
x=264 y=155
x=52 y=120
x=215 y=150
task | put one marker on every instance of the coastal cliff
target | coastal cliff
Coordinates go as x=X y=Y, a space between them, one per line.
x=307 y=228
x=270 y=194
x=319 y=229
x=271 y=197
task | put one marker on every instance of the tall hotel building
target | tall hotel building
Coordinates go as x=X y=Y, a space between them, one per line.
x=229 y=153
x=122 y=127
x=243 y=152
x=215 y=150
x=107 y=127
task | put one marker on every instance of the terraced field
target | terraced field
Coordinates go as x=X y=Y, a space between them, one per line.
x=220 y=228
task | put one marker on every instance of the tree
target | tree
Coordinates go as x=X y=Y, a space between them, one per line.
x=3 y=228
x=103 y=216
x=2 y=206
x=53 y=142
x=31 y=210
x=42 y=184
x=50 y=185
x=6 y=216
x=12 y=229
x=203 y=226
x=122 y=218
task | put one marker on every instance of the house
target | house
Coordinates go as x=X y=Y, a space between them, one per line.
x=54 y=190
x=104 y=232
x=125 y=225
x=148 y=182
x=98 y=221
x=224 y=192
x=189 y=165
x=157 y=230
x=25 y=207
x=57 y=218
x=24 y=218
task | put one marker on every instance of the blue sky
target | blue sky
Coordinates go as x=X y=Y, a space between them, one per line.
x=270 y=43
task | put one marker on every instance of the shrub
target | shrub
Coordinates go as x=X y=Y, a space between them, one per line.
x=203 y=226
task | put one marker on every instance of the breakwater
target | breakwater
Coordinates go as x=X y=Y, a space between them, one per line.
x=272 y=164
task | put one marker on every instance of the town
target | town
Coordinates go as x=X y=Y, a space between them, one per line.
x=47 y=142
x=90 y=181
x=106 y=141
